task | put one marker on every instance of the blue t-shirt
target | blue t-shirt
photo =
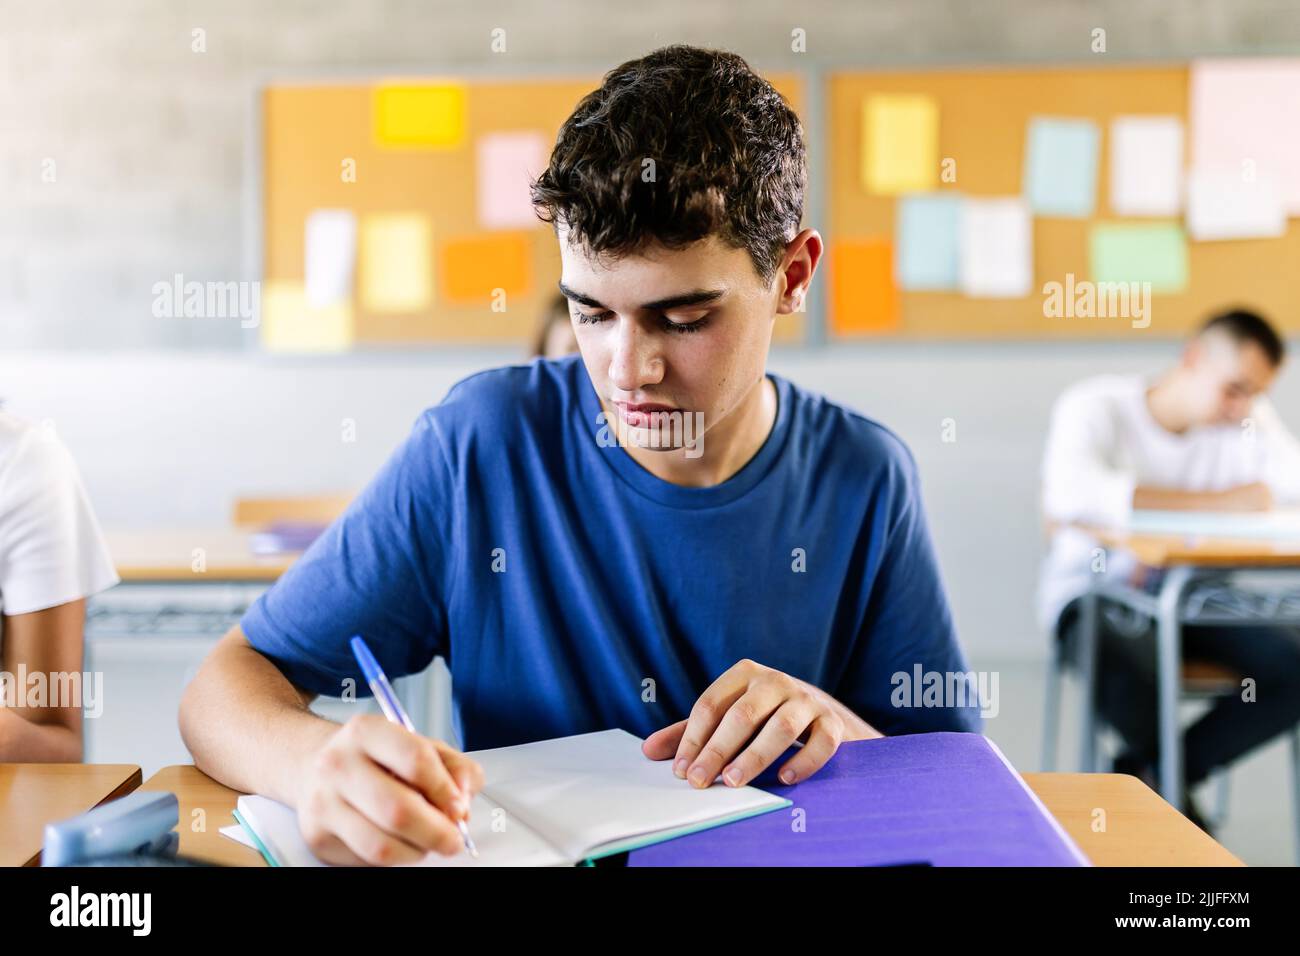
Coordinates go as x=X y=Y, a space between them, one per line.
x=570 y=590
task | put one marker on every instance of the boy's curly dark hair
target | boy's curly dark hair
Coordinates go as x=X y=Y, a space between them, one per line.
x=727 y=156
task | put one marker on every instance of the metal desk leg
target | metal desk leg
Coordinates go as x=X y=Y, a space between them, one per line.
x=1087 y=650
x=1168 y=670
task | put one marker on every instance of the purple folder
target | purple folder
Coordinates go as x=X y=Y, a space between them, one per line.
x=285 y=537
x=942 y=799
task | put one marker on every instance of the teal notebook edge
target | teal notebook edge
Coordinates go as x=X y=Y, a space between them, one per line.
x=252 y=835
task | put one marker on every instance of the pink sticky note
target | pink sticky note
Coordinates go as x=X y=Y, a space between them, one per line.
x=1244 y=122
x=507 y=163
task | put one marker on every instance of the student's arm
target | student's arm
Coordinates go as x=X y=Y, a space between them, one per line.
x=368 y=791
x=1080 y=483
x=47 y=642
x=1281 y=453
x=1081 y=486
x=52 y=557
x=1253 y=497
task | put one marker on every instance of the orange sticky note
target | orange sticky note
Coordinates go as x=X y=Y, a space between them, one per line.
x=478 y=270
x=864 y=298
x=419 y=115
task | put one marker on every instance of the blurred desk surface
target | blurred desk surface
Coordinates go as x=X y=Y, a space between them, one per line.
x=172 y=557
x=1141 y=829
x=34 y=794
x=1167 y=550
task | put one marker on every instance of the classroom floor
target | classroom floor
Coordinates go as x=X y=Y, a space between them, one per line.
x=1258 y=828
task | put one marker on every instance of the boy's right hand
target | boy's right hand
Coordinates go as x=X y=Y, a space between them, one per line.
x=378 y=794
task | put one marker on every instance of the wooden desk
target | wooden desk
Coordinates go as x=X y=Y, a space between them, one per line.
x=1141 y=829
x=1167 y=550
x=169 y=556
x=34 y=794
x=201 y=836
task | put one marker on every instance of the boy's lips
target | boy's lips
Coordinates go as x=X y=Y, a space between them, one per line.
x=643 y=414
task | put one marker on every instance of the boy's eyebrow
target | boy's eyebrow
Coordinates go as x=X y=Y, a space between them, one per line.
x=698 y=297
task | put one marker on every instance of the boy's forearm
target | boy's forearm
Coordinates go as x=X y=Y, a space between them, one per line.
x=246 y=725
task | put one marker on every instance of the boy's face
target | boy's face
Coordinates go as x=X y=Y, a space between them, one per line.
x=1227 y=377
x=678 y=330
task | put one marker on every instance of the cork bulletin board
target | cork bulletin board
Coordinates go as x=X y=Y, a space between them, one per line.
x=379 y=227
x=982 y=121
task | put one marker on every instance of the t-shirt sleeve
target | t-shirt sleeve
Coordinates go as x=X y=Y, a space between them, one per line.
x=51 y=548
x=908 y=632
x=1079 y=483
x=378 y=571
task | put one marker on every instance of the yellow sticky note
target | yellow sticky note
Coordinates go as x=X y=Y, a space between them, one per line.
x=290 y=324
x=422 y=115
x=900 y=143
x=395 y=268
x=476 y=269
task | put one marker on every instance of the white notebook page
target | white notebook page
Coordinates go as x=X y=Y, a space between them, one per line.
x=591 y=789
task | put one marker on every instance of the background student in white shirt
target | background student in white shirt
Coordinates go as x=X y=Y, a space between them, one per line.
x=52 y=557
x=1201 y=436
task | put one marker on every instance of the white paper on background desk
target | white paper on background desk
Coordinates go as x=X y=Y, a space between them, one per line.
x=1272 y=525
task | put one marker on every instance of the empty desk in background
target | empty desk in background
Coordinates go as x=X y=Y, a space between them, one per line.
x=1193 y=591
x=181 y=591
x=34 y=794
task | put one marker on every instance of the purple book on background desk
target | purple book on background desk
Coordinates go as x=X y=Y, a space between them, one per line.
x=942 y=799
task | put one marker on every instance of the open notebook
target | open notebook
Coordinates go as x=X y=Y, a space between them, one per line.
x=553 y=803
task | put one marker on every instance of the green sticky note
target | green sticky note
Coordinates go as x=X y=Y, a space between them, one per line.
x=1140 y=252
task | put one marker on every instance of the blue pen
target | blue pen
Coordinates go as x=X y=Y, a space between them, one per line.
x=392 y=708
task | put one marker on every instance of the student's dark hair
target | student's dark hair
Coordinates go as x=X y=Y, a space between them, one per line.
x=1241 y=325
x=673 y=147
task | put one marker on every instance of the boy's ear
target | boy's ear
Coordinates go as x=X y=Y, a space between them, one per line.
x=802 y=254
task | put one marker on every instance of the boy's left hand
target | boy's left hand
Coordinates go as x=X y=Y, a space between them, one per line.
x=765 y=709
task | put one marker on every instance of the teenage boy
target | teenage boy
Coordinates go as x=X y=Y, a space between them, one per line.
x=656 y=535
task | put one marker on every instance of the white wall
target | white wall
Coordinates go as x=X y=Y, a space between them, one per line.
x=148 y=138
x=170 y=438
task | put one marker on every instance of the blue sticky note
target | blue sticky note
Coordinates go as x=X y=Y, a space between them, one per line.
x=927 y=251
x=1061 y=167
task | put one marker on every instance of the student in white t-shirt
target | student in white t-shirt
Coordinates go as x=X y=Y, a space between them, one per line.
x=1201 y=436
x=52 y=557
